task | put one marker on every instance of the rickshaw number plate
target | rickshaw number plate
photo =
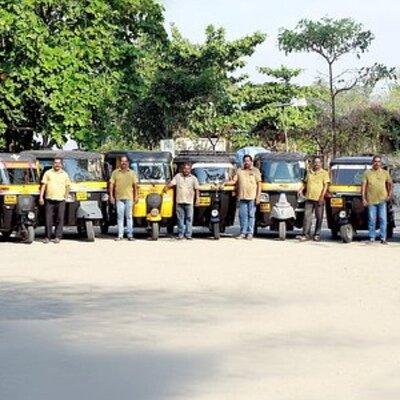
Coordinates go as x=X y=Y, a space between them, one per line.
x=205 y=201
x=10 y=199
x=81 y=196
x=265 y=207
x=337 y=202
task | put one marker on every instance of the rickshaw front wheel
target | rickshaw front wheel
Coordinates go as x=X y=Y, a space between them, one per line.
x=216 y=230
x=89 y=231
x=28 y=235
x=155 y=230
x=282 y=230
x=347 y=233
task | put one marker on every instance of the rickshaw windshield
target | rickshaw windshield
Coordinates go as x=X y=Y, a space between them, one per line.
x=78 y=170
x=21 y=176
x=348 y=174
x=210 y=173
x=283 y=171
x=150 y=171
x=3 y=176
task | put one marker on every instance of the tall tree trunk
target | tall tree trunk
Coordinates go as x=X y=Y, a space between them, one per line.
x=333 y=110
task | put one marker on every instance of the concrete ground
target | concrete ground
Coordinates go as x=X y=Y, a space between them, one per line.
x=199 y=320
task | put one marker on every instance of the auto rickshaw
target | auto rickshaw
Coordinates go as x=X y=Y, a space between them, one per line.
x=281 y=208
x=154 y=208
x=345 y=211
x=19 y=191
x=215 y=171
x=88 y=195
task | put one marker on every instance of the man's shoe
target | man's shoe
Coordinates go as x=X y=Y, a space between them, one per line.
x=189 y=238
x=46 y=240
x=384 y=242
x=131 y=238
x=249 y=236
x=118 y=238
x=317 y=238
x=57 y=240
x=179 y=237
x=370 y=241
x=241 y=236
x=304 y=238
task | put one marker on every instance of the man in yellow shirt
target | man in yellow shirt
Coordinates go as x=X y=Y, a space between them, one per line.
x=248 y=187
x=55 y=188
x=123 y=193
x=316 y=185
x=377 y=189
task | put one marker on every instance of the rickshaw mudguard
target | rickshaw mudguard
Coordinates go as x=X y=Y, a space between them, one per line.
x=89 y=210
x=334 y=188
x=167 y=206
x=152 y=218
x=31 y=189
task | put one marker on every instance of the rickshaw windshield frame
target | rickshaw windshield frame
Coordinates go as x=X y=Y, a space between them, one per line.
x=209 y=173
x=283 y=171
x=151 y=171
x=348 y=174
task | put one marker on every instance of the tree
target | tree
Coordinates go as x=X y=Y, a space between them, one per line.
x=192 y=88
x=72 y=68
x=333 y=39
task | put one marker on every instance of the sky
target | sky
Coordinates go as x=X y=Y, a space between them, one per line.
x=241 y=18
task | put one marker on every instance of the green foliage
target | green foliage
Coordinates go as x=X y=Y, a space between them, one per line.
x=64 y=63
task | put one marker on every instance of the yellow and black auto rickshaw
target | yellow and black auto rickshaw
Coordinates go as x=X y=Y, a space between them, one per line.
x=345 y=211
x=214 y=170
x=88 y=196
x=19 y=191
x=281 y=208
x=154 y=208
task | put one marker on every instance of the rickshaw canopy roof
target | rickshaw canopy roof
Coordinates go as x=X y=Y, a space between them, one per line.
x=205 y=157
x=74 y=154
x=163 y=156
x=289 y=157
x=356 y=160
x=17 y=158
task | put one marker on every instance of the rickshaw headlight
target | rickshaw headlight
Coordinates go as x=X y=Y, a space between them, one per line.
x=70 y=198
x=264 y=197
x=31 y=215
x=342 y=214
x=104 y=197
x=301 y=198
x=154 y=212
x=214 y=213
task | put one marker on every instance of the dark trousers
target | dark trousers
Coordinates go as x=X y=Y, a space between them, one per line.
x=57 y=208
x=312 y=207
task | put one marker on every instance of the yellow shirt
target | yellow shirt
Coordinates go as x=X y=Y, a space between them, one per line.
x=376 y=181
x=247 y=181
x=57 y=184
x=315 y=181
x=123 y=182
x=186 y=187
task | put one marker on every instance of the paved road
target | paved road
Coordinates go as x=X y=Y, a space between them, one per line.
x=199 y=320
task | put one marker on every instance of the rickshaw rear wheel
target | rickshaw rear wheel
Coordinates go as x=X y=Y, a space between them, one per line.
x=334 y=234
x=216 y=231
x=170 y=228
x=89 y=231
x=390 y=231
x=347 y=233
x=6 y=235
x=282 y=230
x=155 y=230
x=104 y=227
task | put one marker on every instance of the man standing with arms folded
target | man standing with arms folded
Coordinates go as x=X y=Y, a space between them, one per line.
x=187 y=191
x=377 y=190
x=55 y=188
x=316 y=182
x=123 y=193
x=248 y=188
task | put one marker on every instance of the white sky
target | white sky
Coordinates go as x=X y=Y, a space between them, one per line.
x=240 y=18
